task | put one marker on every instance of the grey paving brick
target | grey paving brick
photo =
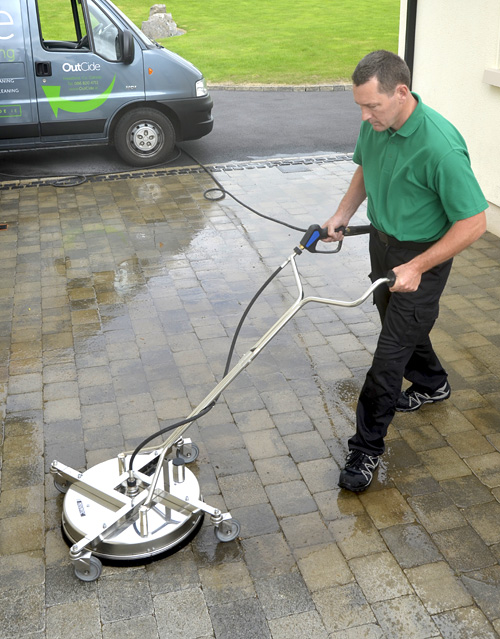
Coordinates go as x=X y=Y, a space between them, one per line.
x=438 y=587
x=405 y=617
x=380 y=577
x=368 y=631
x=23 y=533
x=131 y=628
x=464 y=549
x=258 y=519
x=252 y=420
x=292 y=423
x=306 y=446
x=469 y=622
x=466 y=491
x=301 y=626
x=415 y=481
x=226 y=582
x=18 y=571
x=483 y=586
x=176 y=572
x=320 y=474
x=222 y=436
x=22 y=611
x=231 y=462
x=356 y=536
x=411 y=545
x=337 y=503
x=240 y=620
x=209 y=551
x=291 y=498
x=484 y=518
x=264 y=444
x=343 y=607
x=62 y=587
x=268 y=555
x=283 y=595
x=124 y=596
x=277 y=470
x=436 y=511
x=242 y=490
x=305 y=530
x=62 y=620
x=182 y=614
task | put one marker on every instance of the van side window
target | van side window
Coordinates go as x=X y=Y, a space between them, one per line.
x=62 y=25
x=66 y=25
x=104 y=33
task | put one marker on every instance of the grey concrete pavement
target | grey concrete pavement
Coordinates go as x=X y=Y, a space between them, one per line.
x=117 y=304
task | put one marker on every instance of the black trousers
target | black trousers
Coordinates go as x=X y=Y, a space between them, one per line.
x=404 y=349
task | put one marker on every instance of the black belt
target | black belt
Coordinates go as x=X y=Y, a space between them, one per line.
x=389 y=240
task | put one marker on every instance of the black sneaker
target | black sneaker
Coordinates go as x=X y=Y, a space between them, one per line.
x=412 y=399
x=358 y=472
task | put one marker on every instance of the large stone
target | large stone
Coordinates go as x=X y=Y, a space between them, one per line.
x=158 y=8
x=160 y=24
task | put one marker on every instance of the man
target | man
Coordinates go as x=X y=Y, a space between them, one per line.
x=425 y=206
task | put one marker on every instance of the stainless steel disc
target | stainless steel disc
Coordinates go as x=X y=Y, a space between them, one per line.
x=161 y=530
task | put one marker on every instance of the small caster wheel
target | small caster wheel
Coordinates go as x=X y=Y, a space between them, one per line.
x=187 y=458
x=61 y=486
x=228 y=530
x=93 y=571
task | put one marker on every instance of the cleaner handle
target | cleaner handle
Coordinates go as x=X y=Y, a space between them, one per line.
x=312 y=236
x=316 y=232
x=362 y=229
x=391 y=278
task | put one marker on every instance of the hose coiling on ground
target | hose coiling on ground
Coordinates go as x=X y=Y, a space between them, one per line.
x=223 y=192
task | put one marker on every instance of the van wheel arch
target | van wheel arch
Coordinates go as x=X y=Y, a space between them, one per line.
x=144 y=135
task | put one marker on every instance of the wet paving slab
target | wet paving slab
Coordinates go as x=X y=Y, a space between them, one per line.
x=118 y=302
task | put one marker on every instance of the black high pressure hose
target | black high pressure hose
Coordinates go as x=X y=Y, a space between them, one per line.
x=309 y=241
x=226 y=371
x=220 y=189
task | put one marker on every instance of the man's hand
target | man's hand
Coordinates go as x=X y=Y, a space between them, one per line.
x=349 y=204
x=407 y=278
x=461 y=235
x=335 y=222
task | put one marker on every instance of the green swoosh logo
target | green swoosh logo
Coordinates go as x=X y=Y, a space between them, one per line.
x=53 y=95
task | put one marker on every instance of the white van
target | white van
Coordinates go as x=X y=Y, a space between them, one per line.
x=105 y=82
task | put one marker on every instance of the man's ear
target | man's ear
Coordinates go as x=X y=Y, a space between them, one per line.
x=402 y=92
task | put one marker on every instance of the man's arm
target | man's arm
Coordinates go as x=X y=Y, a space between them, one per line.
x=461 y=235
x=349 y=204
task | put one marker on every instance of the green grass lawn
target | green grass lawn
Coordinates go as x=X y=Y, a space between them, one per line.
x=274 y=41
x=277 y=41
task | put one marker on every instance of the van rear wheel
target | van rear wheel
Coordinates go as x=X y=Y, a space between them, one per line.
x=144 y=137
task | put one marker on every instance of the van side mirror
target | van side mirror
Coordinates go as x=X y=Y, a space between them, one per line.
x=126 y=47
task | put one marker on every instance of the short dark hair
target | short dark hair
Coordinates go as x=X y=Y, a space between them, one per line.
x=389 y=69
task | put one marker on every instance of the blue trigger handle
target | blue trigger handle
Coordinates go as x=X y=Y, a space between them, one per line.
x=312 y=236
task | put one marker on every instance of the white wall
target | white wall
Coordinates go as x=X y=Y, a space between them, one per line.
x=456 y=40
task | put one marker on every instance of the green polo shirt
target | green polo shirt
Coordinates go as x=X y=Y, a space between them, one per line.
x=418 y=179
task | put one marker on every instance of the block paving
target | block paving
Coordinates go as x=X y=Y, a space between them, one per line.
x=118 y=301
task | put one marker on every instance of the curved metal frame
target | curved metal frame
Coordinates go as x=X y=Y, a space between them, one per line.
x=127 y=505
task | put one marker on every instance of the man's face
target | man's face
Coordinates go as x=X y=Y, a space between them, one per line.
x=382 y=111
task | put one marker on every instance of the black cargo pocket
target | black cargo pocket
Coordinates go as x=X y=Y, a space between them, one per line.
x=419 y=325
x=407 y=326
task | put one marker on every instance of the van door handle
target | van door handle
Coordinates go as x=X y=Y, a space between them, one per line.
x=43 y=69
